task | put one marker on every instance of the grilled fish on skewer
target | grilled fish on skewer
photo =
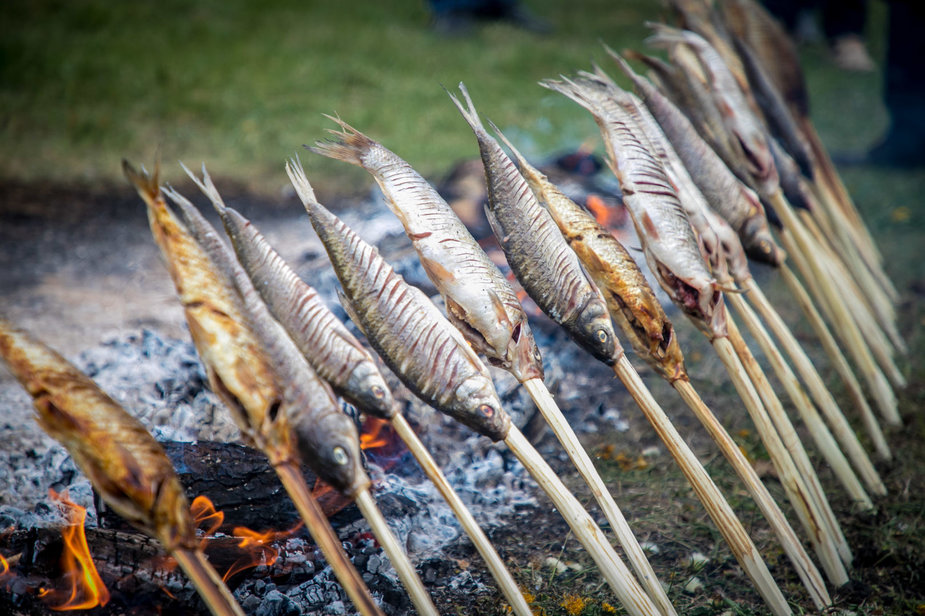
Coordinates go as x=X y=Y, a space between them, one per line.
x=330 y=348
x=234 y=351
x=124 y=463
x=435 y=362
x=658 y=217
x=479 y=301
x=735 y=202
x=540 y=259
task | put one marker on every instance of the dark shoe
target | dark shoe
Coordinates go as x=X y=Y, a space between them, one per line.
x=522 y=18
x=452 y=24
x=898 y=150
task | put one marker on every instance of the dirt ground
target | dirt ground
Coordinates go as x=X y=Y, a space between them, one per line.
x=79 y=265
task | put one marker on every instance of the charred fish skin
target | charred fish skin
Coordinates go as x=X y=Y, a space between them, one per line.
x=123 y=461
x=735 y=202
x=632 y=303
x=416 y=341
x=335 y=354
x=659 y=219
x=307 y=410
x=546 y=267
x=479 y=301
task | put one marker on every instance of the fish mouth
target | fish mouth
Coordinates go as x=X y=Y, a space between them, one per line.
x=706 y=308
x=526 y=361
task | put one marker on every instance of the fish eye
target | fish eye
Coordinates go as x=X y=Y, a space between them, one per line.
x=602 y=335
x=378 y=392
x=486 y=410
x=340 y=456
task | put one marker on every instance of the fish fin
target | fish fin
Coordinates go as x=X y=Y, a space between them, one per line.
x=349 y=145
x=348 y=308
x=146 y=184
x=471 y=115
x=436 y=271
x=498 y=306
x=664 y=36
x=495 y=226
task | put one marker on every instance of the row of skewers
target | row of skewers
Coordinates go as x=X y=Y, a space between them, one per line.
x=711 y=147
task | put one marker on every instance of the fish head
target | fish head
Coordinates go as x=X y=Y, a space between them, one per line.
x=525 y=357
x=475 y=403
x=367 y=388
x=596 y=333
x=331 y=448
x=760 y=244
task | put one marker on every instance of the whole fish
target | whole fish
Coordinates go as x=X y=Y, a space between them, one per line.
x=479 y=301
x=278 y=403
x=416 y=341
x=735 y=202
x=661 y=223
x=632 y=303
x=738 y=113
x=125 y=464
x=335 y=354
x=540 y=258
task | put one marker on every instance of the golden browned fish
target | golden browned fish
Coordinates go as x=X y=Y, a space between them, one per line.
x=416 y=341
x=479 y=301
x=277 y=401
x=335 y=354
x=632 y=303
x=112 y=448
x=662 y=225
x=546 y=267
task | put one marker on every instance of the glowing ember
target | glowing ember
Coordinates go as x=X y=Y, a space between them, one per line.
x=256 y=548
x=375 y=433
x=87 y=589
x=611 y=216
x=4 y=567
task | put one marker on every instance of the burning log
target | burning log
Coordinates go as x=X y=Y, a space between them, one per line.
x=273 y=395
x=121 y=459
x=446 y=373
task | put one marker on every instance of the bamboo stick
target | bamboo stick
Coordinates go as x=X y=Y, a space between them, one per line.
x=618 y=576
x=817 y=428
x=406 y=573
x=495 y=565
x=844 y=325
x=721 y=513
x=582 y=461
x=823 y=398
x=807 y=511
x=790 y=439
x=838 y=361
x=208 y=583
x=321 y=531
x=805 y=568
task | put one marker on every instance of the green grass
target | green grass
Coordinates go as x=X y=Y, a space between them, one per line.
x=243 y=85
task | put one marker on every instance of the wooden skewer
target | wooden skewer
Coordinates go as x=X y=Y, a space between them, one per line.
x=823 y=398
x=790 y=439
x=321 y=531
x=845 y=326
x=817 y=428
x=495 y=565
x=582 y=461
x=721 y=513
x=838 y=361
x=807 y=511
x=618 y=576
x=791 y=545
x=406 y=573
x=208 y=582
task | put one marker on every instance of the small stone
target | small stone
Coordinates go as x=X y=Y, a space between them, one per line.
x=650 y=547
x=337 y=608
x=373 y=564
x=693 y=586
x=651 y=452
x=697 y=560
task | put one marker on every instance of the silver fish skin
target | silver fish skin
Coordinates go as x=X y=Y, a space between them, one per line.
x=737 y=113
x=734 y=201
x=479 y=301
x=327 y=439
x=334 y=353
x=661 y=223
x=416 y=341
x=539 y=256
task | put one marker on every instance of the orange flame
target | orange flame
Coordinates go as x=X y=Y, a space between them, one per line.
x=204 y=512
x=603 y=213
x=87 y=588
x=4 y=567
x=256 y=548
x=375 y=433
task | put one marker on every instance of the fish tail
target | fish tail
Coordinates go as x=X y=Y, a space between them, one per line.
x=207 y=187
x=349 y=146
x=623 y=64
x=665 y=36
x=145 y=183
x=320 y=216
x=470 y=114
x=519 y=158
x=573 y=90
